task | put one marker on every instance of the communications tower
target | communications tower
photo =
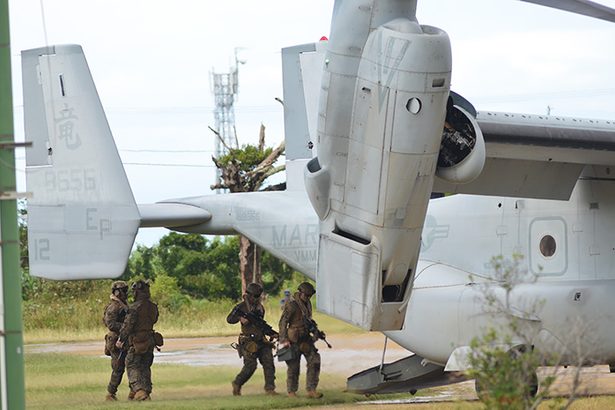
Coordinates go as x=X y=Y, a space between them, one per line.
x=225 y=87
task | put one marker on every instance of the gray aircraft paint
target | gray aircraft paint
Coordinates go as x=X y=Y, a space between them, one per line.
x=285 y=224
x=83 y=206
x=82 y=196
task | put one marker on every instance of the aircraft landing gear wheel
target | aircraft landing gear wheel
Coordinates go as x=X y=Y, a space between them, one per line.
x=480 y=391
x=413 y=392
x=532 y=383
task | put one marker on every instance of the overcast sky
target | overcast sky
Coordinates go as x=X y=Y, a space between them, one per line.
x=151 y=62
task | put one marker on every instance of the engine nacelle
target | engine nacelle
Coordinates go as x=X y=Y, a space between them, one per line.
x=382 y=108
x=462 y=150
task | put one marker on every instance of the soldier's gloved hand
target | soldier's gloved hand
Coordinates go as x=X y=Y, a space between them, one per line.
x=244 y=321
x=119 y=344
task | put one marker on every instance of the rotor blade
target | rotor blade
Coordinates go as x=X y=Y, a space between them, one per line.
x=583 y=7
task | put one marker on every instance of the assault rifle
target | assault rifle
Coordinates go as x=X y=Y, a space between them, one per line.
x=259 y=322
x=312 y=329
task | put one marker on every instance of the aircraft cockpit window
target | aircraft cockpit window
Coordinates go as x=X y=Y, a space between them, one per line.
x=547 y=246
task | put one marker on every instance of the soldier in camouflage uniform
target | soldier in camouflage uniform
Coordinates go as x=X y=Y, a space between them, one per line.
x=113 y=318
x=138 y=334
x=252 y=342
x=293 y=332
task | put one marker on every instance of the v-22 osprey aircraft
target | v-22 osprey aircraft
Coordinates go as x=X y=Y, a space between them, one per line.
x=372 y=130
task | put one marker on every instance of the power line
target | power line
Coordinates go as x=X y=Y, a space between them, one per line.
x=194 y=108
x=169 y=151
x=153 y=164
x=550 y=95
x=255 y=109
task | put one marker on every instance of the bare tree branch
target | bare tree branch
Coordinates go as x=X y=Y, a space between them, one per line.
x=235 y=178
x=236 y=140
x=273 y=171
x=261 y=138
x=271 y=158
x=219 y=138
x=220 y=185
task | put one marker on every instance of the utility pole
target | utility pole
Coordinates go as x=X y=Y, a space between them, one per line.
x=225 y=87
x=12 y=383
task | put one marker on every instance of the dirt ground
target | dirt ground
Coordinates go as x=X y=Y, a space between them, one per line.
x=350 y=354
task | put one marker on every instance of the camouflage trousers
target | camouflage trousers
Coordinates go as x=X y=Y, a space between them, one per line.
x=265 y=356
x=118 y=364
x=139 y=370
x=312 y=357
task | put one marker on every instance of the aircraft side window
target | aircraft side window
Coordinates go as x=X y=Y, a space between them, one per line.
x=547 y=246
x=414 y=105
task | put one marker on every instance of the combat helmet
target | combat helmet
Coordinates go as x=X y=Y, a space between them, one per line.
x=307 y=288
x=140 y=286
x=119 y=285
x=254 y=290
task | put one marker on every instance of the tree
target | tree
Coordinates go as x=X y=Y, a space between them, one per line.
x=204 y=269
x=142 y=262
x=505 y=359
x=245 y=169
x=22 y=223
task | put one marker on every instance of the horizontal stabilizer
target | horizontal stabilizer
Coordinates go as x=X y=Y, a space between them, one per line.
x=82 y=218
x=172 y=215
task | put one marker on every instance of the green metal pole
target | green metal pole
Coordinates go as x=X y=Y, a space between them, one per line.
x=12 y=388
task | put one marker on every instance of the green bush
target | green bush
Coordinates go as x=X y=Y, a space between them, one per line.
x=503 y=360
x=166 y=293
x=506 y=376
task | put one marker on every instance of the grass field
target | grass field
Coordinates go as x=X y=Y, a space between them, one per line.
x=199 y=320
x=67 y=381
x=61 y=381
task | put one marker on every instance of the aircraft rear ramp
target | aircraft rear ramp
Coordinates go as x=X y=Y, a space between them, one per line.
x=404 y=375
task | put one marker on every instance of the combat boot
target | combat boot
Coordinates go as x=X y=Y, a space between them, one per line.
x=313 y=394
x=141 y=395
x=271 y=393
x=236 y=389
x=292 y=394
x=110 y=397
x=131 y=395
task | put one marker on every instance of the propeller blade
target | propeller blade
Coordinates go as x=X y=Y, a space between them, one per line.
x=583 y=7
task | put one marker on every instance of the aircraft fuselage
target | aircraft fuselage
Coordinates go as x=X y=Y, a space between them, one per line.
x=567 y=249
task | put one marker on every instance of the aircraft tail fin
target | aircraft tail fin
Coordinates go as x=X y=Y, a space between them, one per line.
x=302 y=67
x=82 y=218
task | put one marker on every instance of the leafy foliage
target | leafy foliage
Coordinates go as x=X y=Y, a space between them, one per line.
x=165 y=291
x=203 y=268
x=506 y=377
x=142 y=262
x=503 y=360
x=247 y=168
x=248 y=157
